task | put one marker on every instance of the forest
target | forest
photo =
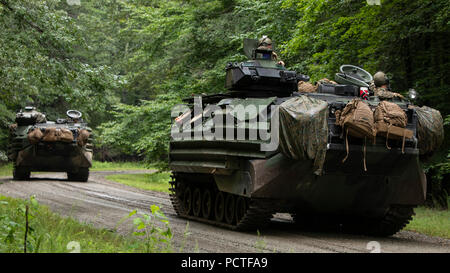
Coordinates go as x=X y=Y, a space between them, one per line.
x=125 y=63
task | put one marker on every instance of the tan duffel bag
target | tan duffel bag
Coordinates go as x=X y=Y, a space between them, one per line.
x=390 y=122
x=50 y=135
x=35 y=135
x=65 y=135
x=392 y=131
x=357 y=119
x=56 y=134
x=83 y=136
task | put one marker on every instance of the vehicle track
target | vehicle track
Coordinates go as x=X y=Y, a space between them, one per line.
x=104 y=203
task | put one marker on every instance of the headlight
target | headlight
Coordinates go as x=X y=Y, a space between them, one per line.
x=412 y=93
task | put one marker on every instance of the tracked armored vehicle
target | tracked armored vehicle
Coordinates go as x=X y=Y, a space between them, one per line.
x=40 y=145
x=228 y=172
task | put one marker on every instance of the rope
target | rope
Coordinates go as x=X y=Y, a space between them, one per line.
x=387 y=137
x=364 y=155
x=403 y=142
x=346 y=145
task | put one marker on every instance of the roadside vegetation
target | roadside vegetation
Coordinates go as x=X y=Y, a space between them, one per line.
x=6 y=169
x=158 y=181
x=119 y=166
x=432 y=222
x=47 y=232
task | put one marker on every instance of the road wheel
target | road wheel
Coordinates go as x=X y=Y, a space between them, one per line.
x=229 y=208
x=187 y=200
x=197 y=202
x=219 y=206
x=207 y=204
x=241 y=208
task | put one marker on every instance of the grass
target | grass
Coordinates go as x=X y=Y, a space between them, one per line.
x=51 y=233
x=6 y=170
x=431 y=222
x=118 y=166
x=158 y=181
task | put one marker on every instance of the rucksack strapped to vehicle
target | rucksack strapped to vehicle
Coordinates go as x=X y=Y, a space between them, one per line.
x=35 y=135
x=357 y=120
x=82 y=138
x=57 y=134
x=390 y=122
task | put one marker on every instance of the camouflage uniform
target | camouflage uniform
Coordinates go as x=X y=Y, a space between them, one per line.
x=325 y=80
x=384 y=93
x=379 y=86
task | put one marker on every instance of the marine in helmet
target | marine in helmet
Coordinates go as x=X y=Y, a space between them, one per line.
x=381 y=88
x=266 y=43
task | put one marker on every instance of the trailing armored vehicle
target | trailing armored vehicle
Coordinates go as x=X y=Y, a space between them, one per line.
x=40 y=145
x=263 y=147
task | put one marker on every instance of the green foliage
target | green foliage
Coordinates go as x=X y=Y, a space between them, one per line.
x=158 y=181
x=431 y=222
x=118 y=166
x=50 y=233
x=40 y=67
x=6 y=170
x=146 y=226
x=405 y=38
x=143 y=129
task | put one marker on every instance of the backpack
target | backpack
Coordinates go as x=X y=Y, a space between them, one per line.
x=82 y=138
x=356 y=119
x=35 y=135
x=56 y=134
x=390 y=122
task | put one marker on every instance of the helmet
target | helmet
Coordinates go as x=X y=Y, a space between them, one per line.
x=380 y=79
x=264 y=41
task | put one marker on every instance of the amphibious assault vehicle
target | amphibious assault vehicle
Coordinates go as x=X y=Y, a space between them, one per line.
x=40 y=145
x=262 y=147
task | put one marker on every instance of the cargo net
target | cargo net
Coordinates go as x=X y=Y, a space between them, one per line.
x=304 y=130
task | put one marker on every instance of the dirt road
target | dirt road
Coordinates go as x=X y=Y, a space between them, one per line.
x=103 y=203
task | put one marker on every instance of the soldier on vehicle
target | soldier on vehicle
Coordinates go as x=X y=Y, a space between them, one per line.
x=266 y=43
x=380 y=87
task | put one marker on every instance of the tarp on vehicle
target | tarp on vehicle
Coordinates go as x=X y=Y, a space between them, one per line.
x=430 y=129
x=304 y=130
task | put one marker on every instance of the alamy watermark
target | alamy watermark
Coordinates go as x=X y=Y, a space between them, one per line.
x=230 y=122
x=374 y=2
x=73 y=2
x=374 y=247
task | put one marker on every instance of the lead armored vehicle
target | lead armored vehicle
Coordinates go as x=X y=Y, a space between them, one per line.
x=262 y=147
x=40 y=145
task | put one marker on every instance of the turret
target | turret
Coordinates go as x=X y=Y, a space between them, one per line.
x=262 y=73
